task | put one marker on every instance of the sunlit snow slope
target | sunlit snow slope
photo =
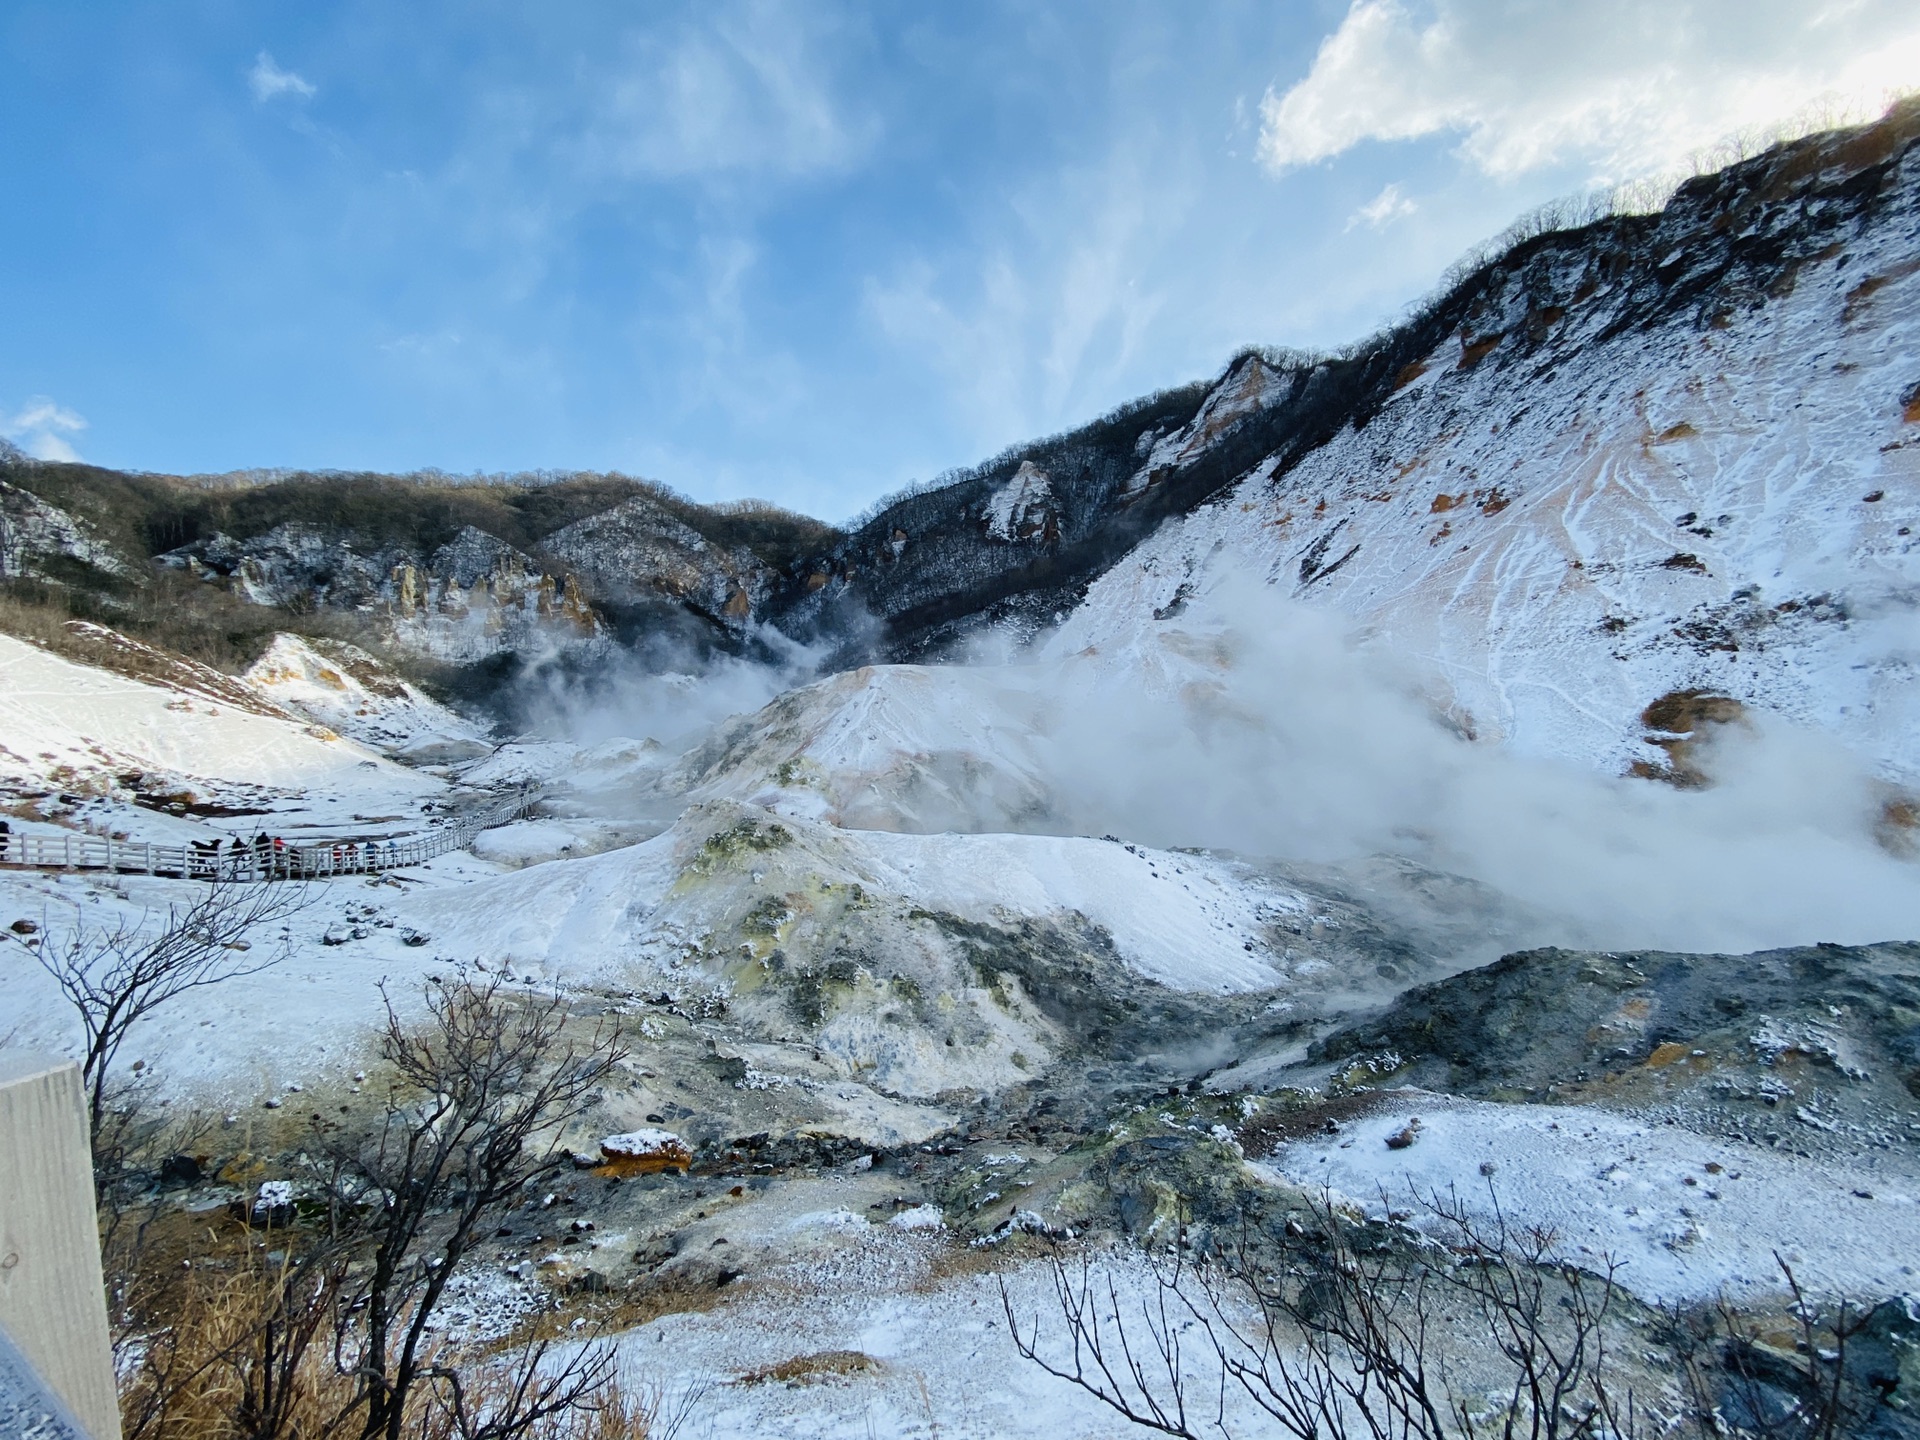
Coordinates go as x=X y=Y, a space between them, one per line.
x=1681 y=459
x=75 y=728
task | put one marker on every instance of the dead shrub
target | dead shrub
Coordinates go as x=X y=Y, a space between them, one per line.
x=809 y=1369
x=321 y=1322
x=237 y=1360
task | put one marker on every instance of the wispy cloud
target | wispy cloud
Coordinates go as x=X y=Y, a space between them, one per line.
x=1381 y=211
x=268 y=81
x=752 y=88
x=41 y=428
x=1034 y=323
x=1628 y=88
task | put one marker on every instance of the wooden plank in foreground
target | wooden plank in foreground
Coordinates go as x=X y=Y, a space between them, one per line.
x=53 y=1304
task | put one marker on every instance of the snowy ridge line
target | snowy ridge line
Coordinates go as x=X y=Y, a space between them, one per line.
x=243 y=860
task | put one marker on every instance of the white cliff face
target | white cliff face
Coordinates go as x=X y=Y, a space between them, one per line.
x=1023 y=508
x=638 y=548
x=1559 y=517
x=478 y=597
x=1250 y=386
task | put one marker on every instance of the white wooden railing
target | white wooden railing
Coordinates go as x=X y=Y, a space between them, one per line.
x=261 y=858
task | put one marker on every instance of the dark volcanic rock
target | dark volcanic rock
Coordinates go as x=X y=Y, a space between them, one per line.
x=1815 y=1046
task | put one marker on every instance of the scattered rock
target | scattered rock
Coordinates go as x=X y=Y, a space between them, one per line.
x=920 y=1217
x=181 y=1170
x=273 y=1204
x=1402 y=1138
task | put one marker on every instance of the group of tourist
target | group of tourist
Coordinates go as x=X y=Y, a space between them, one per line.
x=270 y=857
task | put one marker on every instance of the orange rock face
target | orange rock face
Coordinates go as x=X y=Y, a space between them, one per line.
x=644 y=1152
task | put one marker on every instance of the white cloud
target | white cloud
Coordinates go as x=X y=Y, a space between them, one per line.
x=749 y=90
x=1628 y=88
x=41 y=427
x=268 y=81
x=1381 y=211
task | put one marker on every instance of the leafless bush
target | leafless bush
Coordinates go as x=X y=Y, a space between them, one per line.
x=115 y=975
x=481 y=1093
x=235 y=1362
x=1487 y=1330
x=1744 y=1381
x=337 y=1336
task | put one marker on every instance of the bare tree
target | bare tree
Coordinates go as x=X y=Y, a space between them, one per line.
x=481 y=1094
x=336 y=1336
x=1333 y=1337
x=115 y=975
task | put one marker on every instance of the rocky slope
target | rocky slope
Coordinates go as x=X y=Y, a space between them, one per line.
x=905 y=1010
x=469 y=584
x=1566 y=522
x=1612 y=489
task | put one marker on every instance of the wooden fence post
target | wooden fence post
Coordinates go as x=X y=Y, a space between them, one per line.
x=53 y=1303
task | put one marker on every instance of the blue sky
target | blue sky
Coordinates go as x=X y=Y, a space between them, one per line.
x=806 y=251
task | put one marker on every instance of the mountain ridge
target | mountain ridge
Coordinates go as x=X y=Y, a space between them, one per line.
x=1017 y=544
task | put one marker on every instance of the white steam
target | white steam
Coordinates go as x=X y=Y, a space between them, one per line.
x=1272 y=732
x=673 y=698
x=1255 y=724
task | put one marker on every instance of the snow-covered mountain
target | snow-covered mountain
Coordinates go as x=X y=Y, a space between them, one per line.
x=1134 y=821
x=1692 y=464
x=1611 y=466
x=1657 y=454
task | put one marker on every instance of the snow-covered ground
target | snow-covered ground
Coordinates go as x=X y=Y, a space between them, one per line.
x=1422 y=641
x=1189 y=922
x=906 y=1342
x=939 y=1360
x=1686 y=1217
x=308 y=1019
x=69 y=728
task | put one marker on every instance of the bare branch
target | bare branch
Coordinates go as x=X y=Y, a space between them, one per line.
x=1333 y=1336
x=115 y=975
x=482 y=1092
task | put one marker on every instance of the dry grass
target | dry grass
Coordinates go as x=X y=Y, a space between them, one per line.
x=195 y=1307
x=811 y=1369
x=626 y=1307
x=186 y=618
x=200 y=1373
x=956 y=1260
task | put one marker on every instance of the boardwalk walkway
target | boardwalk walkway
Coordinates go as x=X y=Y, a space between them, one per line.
x=257 y=859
